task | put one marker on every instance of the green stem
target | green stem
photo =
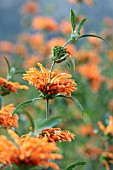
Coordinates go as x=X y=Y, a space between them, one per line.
x=0 y=102
x=47 y=108
x=52 y=66
x=67 y=42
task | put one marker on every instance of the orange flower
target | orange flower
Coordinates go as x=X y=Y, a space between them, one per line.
x=55 y=134
x=110 y=55
x=88 y=56
x=86 y=130
x=7 y=87
x=109 y=83
x=65 y=27
x=41 y=23
x=91 y=72
x=108 y=159
x=50 y=83
x=6 y=46
x=89 y=2
x=6 y=118
x=30 y=8
x=107 y=129
x=28 y=150
x=90 y=151
x=20 y=50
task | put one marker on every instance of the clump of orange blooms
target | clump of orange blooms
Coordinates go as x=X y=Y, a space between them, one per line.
x=6 y=118
x=86 y=130
x=44 y=23
x=7 y=87
x=50 y=83
x=28 y=150
x=56 y=134
x=92 y=74
x=30 y=7
x=107 y=130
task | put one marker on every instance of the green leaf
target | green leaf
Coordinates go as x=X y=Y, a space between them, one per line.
x=50 y=122
x=80 y=25
x=77 y=102
x=30 y=118
x=25 y=103
x=73 y=62
x=76 y=164
x=72 y=98
x=8 y=64
x=91 y=35
x=0 y=102
x=20 y=72
x=73 y=20
x=68 y=64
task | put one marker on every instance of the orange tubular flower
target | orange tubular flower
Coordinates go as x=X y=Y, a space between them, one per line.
x=28 y=150
x=109 y=128
x=86 y=130
x=50 y=83
x=44 y=23
x=91 y=72
x=6 y=118
x=55 y=134
x=30 y=8
x=7 y=87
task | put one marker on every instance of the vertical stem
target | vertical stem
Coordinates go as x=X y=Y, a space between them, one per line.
x=52 y=66
x=47 y=108
x=0 y=102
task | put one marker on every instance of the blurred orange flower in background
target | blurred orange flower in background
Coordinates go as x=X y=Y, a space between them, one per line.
x=6 y=118
x=44 y=23
x=6 y=47
x=92 y=74
x=30 y=8
x=7 y=87
x=86 y=130
x=107 y=129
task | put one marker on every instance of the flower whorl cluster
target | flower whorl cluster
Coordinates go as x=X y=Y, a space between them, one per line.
x=50 y=83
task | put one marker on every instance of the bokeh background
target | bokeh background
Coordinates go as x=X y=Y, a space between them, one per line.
x=25 y=40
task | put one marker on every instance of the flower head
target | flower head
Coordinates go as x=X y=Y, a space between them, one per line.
x=107 y=129
x=7 y=87
x=44 y=23
x=93 y=75
x=28 y=150
x=6 y=118
x=56 y=134
x=59 y=54
x=50 y=83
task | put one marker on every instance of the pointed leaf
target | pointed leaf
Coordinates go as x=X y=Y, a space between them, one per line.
x=73 y=62
x=72 y=98
x=50 y=122
x=68 y=64
x=0 y=102
x=77 y=102
x=76 y=164
x=8 y=64
x=73 y=20
x=20 y=72
x=80 y=25
x=25 y=103
x=91 y=35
